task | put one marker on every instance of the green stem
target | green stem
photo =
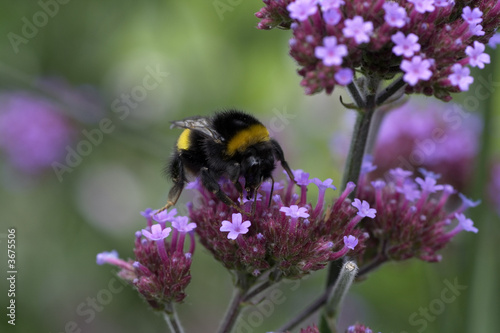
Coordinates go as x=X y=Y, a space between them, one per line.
x=233 y=310
x=304 y=314
x=336 y=296
x=480 y=309
x=173 y=322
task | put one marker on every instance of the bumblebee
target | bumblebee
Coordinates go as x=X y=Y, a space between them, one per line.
x=229 y=144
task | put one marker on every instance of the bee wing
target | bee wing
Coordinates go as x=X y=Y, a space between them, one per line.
x=200 y=124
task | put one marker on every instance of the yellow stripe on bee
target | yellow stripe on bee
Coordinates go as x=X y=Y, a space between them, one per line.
x=183 y=141
x=247 y=137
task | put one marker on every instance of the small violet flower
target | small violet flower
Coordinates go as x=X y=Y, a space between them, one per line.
x=395 y=16
x=358 y=29
x=460 y=77
x=330 y=53
x=181 y=224
x=477 y=57
x=423 y=6
x=295 y=212
x=236 y=227
x=416 y=69
x=364 y=209
x=302 y=9
x=350 y=242
x=406 y=46
x=156 y=233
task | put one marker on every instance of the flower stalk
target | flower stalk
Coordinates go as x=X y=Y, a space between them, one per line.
x=336 y=296
x=172 y=320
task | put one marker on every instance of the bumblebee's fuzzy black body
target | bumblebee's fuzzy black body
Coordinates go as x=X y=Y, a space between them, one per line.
x=229 y=144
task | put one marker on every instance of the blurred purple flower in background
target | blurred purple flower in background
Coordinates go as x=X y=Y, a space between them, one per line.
x=439 y=137
x=33 y=131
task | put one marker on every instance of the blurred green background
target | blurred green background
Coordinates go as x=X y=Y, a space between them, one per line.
x=206 y=60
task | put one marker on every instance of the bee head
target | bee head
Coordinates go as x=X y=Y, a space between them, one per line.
x=256 y=167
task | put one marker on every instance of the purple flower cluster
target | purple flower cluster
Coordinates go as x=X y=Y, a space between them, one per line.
x=411 y=217
x=161 y=271
x=286 y=234
x=33 y=131
x=436 y=136
x=430 y=43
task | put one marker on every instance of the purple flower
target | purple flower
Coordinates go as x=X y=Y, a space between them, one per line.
x=476 y=29
x=364 y=209
x=426 y=173
x=156 y=233
x=472 y=16
x=410 y=191
x=378 y=184
x=302 y=9
x=494 y=41
x=406 y=228
x=460 y=77
x=465 y=223
x=477 y=57
x=423 y=6
x=104 y=257
x=34 y=133
x=468 y=203
x=416 y=69
x=428 y=184
x=358 y=29
x=395 y=16
x=301 y=177
x=332 y=16
x=400 y=174
x=367 y=166
x=295 y=212
x=290 y=235
x=405 y=45
x=330 y=53
x=344 y=76
x=164 y=216
x=330 y=4
x=236 y=227
x=147 y=213
x=181 y=223
x=323 y=185
x=350 y=242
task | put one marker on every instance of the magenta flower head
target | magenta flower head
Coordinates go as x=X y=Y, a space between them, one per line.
x=428 y=43
x=161 y=269
x=411 y=219
x=34 y=132
x=290 y=236
x=438 y=137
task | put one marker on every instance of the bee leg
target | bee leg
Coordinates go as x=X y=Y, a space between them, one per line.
x=210 y=183
x=176 y=171
x=234 y=175
x=278 y=152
